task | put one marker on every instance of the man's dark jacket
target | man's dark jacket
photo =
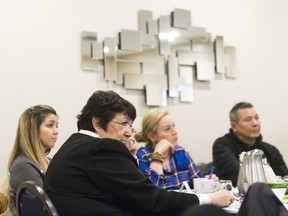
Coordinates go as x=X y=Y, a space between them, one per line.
x=226 y=151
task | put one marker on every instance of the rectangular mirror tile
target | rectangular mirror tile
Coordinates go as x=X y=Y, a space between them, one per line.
x=181 y=18
x=152 y=27
x=153 y=68
x=219 y=54
x=139 y=81
x=130 y=40
x=126 y=67
x=97 y=51
x=186 y=83
x=110 y=59
x=191 y=57
x=186 y=93
x=164 y=28
x=230 y=62
x=143 y=17
x=148 y=55
x=205 y=70
x=191 y=33
x=147 y=27
x=156 y=95
x=151 y=38
x=173 y=80
x=87 y=41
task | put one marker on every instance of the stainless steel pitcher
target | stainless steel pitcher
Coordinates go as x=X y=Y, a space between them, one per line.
x=251 y=170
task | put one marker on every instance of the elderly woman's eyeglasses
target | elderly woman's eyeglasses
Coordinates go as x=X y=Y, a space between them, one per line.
x=126 y=126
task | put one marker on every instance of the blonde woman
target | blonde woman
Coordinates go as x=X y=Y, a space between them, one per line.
x=37 y=133
x=162 y=160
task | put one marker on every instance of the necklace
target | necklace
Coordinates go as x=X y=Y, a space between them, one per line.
x=166 y=164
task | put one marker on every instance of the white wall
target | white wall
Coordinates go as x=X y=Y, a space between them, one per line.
x=40 y=63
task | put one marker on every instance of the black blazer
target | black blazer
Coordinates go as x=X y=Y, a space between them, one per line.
x=93 y=176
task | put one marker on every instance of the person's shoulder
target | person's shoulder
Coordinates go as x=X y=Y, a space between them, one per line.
x=144 y=151
x=179 y=148
x=225 y=139
x=269 y=146
x=77 y=140
x=22 y=159
x=107 y=144
x=23 y=162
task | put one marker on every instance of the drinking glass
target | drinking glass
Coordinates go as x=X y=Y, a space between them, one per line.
x=226 y=184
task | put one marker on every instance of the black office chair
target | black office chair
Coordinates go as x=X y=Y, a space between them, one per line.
x=32 y=200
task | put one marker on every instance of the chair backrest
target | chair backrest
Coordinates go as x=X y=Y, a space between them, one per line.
x=32 y=200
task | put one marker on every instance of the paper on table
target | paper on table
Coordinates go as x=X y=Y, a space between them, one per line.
x=234 y=207
x=184 y=186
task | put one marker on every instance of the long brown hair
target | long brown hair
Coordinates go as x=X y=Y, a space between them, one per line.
x=28 y=140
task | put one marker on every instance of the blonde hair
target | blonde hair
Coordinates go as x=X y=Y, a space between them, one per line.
x=28 y=140
x=3 y=203
x=149 y=124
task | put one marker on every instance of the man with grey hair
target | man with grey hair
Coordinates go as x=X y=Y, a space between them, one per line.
x=244 y=135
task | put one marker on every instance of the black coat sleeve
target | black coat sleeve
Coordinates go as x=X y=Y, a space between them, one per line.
x=225 y=161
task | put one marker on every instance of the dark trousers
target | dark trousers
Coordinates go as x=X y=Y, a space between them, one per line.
x=206 y=210
x=259 y=201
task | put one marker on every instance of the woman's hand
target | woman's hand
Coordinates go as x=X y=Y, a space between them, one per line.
x=164 y=146
x=132 y=146
x=222 y=198
x=212 y=177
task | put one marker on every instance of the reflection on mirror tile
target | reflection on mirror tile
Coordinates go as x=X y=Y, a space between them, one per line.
x=87 y=41
x=186 y=83
x=126 y=67
x=156 y=95
x=181 y=18
x=203 y=45
x=230 y=62
x=219 y=54
x=191 y=57
x=152 y=26
x=186 y=57
x=139 y=81
x=205 y=70
x=164 y=45
x=147 y=27
x=109 y=59
x=130 y=40
x=97 y=51
x=186 y=93
x=143 y=16
x=153 y=68
x=173 y=80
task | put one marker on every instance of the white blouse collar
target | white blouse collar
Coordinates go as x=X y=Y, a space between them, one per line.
x=89 y=133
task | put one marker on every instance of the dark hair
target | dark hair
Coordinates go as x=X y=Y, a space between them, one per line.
x=104 y=105
x=233 y=113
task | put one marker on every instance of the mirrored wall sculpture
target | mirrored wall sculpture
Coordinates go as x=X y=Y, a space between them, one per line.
x=164 y=57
